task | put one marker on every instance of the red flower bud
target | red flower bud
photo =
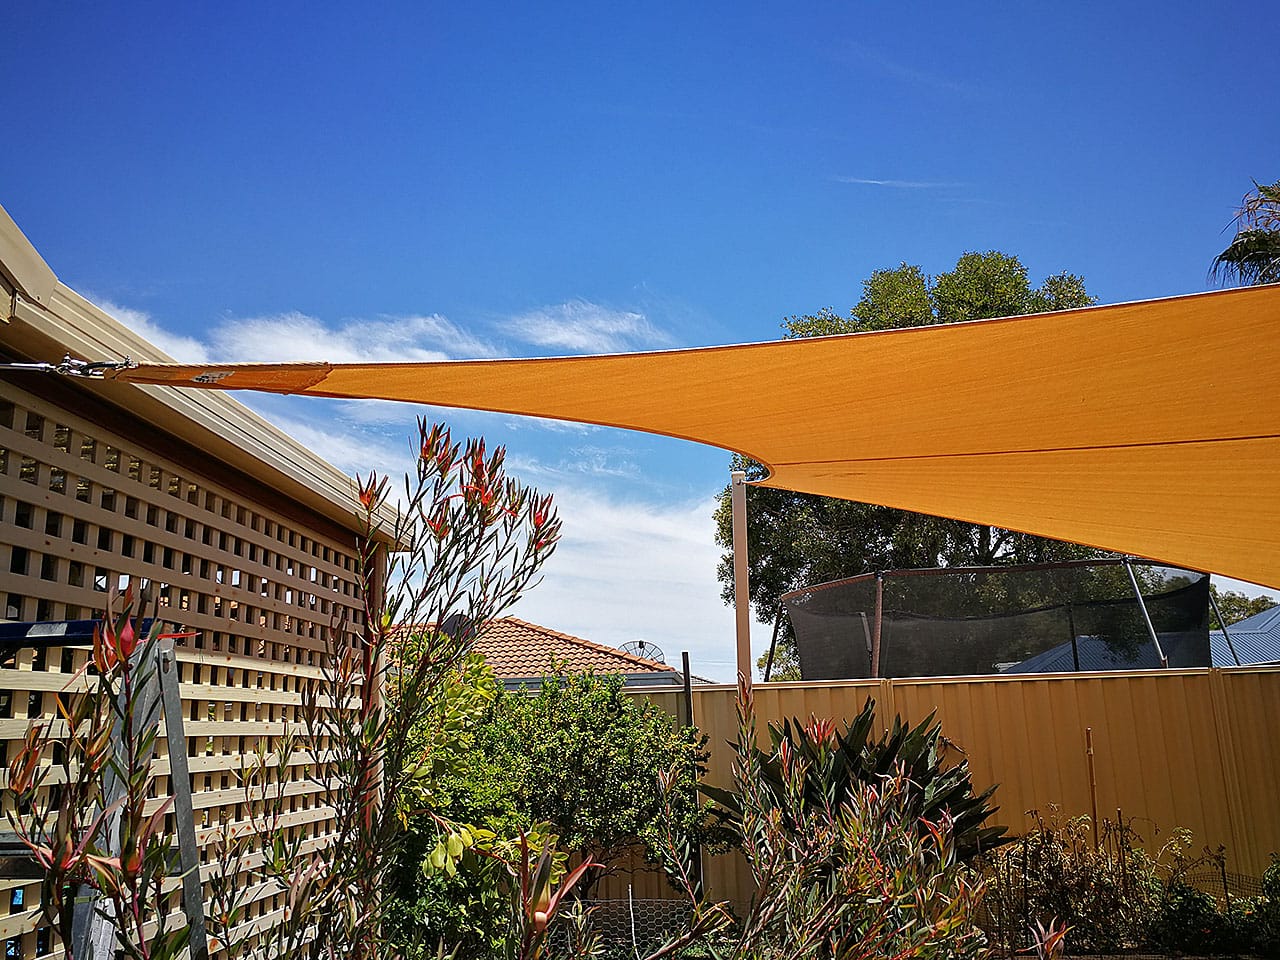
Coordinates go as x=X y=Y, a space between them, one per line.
x=128 y=640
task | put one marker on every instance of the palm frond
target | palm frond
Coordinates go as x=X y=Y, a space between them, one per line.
x=1253 y=256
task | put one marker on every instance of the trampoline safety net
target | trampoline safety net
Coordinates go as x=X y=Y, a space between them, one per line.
x=1047 y=618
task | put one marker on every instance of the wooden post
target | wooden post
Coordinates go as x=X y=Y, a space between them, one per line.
x=1093 y=784
x=741 y=584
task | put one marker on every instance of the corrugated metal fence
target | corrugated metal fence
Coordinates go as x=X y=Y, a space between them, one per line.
x=1173 y=748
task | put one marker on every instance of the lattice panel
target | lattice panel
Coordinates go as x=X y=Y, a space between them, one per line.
x=83 y=510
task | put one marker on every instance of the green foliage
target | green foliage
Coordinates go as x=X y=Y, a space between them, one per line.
x=1271 y=880
x=1236 y=606
x=82 y=796
x=848 y=875
x=575 y=765
x=584 y=757
x=795 y=539
x=1253 y=256
x=439 y=747
x=1114 y=896
x=472 y=539
x=1188 y=921
x=839 y=764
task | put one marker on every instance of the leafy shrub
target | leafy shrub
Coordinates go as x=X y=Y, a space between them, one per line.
x=473 y=540
x=577 y=761
x=1106 y=892
x=1115 y=896
x=1188 y=921
x=837 y=765
x=584 y=757
x=857 y=874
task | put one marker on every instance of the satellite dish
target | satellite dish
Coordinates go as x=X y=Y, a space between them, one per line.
x=643 y=648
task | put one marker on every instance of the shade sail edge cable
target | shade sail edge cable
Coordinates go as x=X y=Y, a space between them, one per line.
x=1148 y=428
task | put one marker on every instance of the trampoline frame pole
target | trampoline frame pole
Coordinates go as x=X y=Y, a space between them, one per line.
x=741 y=585
x=1071 y=625
x=1142 y=605
x=1222 y=624
x=773 y=644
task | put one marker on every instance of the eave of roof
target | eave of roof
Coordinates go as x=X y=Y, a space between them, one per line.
x=46 y=319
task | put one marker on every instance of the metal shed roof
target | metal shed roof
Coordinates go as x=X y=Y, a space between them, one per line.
x=1256 y=640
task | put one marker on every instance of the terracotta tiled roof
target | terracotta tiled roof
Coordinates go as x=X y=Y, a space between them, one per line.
x=517 y=649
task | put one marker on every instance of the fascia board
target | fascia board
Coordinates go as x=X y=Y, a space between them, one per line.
x=23 y=269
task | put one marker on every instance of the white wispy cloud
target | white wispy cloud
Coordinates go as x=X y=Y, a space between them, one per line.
x=875 y=59
x=631 y=566
x=626 y=568
x=580 y=326
x=901 y=184
x=176 y=345
x=584 y=460
x=576 y=326
x=297 y=336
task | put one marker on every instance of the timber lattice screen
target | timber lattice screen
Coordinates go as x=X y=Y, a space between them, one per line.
x=83 y=510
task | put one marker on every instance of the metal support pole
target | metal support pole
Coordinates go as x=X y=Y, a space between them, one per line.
x=1222 y=624
x=773 y=645
x=875 y=627
x=1075 y=647
x=688 y=689
x=1142 y=605
x=688 y=712
x=741 y=586
x=180 y=790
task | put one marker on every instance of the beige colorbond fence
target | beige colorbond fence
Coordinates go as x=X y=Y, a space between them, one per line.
x=1176 y=748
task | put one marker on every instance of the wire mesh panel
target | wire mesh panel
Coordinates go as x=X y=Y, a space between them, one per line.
x=985 y=620
x=85 y=510
x=636 y=926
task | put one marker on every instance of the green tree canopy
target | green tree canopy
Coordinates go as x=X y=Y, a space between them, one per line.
x=1237 y=606
x=577 y=759
x=1253 y=256
x=796 y=539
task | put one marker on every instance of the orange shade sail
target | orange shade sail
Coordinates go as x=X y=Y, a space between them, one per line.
x=1148 y=428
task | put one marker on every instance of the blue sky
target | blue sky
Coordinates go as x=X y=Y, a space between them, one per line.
x=277 y=181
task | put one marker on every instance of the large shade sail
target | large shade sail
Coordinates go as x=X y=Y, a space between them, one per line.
x=1149 y=428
